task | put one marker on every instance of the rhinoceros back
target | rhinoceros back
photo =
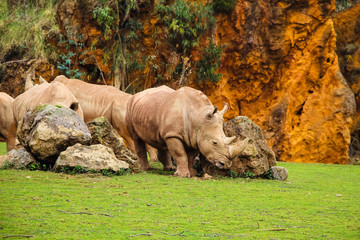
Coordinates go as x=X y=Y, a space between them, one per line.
x=160 y=113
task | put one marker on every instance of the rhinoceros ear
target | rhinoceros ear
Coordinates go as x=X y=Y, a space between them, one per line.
x=74 y=106
x=215 y=109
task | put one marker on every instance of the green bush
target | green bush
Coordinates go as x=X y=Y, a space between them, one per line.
x=209 y=63
x=248 y=174
x=104 y=16
x=232 y=174
x=344 y=4
x=184 y=22
x=69 y=62
x=224 y=5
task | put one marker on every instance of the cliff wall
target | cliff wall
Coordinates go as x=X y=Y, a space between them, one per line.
x=279 y=64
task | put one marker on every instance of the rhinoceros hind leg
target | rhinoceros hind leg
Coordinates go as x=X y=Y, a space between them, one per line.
x=152 y=153
x=10 y=136
x=191 y=159
x=141 y=152
x=177 y=150
x=165 y=159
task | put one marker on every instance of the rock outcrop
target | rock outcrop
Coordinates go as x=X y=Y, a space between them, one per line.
x=279 y=66
x=347 y=27
x=95 y=157
x=280 y=69
x=48 y=130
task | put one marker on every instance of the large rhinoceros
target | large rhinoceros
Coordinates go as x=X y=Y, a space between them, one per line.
x=7 y=121
x=182 y=122
x=99 y=100
x=54 y=93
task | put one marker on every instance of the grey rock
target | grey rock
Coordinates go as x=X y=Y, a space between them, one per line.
x=48 y=130
x=280 y=173
x=20 y=158
x=94 y=157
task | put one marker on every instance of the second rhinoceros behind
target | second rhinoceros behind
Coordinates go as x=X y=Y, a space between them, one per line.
x=182 y=122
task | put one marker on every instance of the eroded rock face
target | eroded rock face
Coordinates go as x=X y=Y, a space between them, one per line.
x=77 y=24
x=103 y=133
x=280 y=69
x=94 y=157
x=347 y=27
x=48 y=130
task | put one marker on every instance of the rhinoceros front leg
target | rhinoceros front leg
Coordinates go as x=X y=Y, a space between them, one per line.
x=177 y=150
x=141 y=152
x=165 y=158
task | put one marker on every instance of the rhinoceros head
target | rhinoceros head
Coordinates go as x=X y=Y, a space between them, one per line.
x=212 y=142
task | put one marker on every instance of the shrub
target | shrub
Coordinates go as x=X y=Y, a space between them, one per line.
x=184 y=22
x=7 y=165
x=69 y=61
x=224 y=5
x=104 y=17
x=209 y=63
x=344 y=4
x=232 y=174
x=248 y=174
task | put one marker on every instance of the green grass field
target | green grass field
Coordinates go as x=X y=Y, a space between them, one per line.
x=2 y=148
x=317 y=202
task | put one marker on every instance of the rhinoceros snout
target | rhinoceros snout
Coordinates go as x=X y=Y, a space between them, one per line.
x=220 y=165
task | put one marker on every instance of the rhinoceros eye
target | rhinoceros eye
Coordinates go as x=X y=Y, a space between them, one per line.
x=214 y=142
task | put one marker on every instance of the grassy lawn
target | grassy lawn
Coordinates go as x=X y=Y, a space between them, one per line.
x=317 y=202
x=2 y=148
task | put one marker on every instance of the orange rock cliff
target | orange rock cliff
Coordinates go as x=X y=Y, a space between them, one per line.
x=279 y=66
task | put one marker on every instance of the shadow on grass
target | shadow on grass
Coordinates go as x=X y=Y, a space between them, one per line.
x=157 y=168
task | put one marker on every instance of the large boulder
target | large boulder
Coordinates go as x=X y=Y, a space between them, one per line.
x=256 y=159
x=48 y=130
x=103 y=133
x=95 y=157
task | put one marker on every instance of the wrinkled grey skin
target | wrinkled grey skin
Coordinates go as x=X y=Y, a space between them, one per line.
x=182 y=123
x=54 y=93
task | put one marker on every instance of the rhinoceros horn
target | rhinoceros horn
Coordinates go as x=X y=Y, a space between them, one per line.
x=238 y=147
x=28 y=82
x=224 y=110
x=229 y=140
